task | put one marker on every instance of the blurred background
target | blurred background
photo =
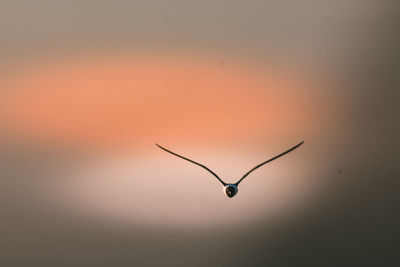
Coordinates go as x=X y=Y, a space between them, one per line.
x=87 y=88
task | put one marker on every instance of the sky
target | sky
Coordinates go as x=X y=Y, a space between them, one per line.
x=87 y=88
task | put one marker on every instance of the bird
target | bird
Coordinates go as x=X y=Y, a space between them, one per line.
x=231 y=189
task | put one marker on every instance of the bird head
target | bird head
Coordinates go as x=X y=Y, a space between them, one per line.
x=230 y=190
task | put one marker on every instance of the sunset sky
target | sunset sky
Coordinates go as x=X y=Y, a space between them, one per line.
x=116 y=106
x=86 y=90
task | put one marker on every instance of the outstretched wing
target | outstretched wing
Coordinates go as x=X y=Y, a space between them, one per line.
x=265 y=162
x=201 y=165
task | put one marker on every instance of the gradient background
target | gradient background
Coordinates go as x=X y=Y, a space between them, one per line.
x=88 y=87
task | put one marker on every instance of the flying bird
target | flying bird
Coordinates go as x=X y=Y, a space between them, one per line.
x=231 y=189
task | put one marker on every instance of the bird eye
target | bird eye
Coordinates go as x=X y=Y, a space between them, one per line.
x=230 y=191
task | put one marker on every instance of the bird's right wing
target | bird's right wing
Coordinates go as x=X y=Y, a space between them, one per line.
x=201 y=165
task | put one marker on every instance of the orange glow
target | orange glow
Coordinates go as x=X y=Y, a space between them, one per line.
x=124 y=101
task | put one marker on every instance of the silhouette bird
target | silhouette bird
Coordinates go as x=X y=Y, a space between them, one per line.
x=231 y=189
